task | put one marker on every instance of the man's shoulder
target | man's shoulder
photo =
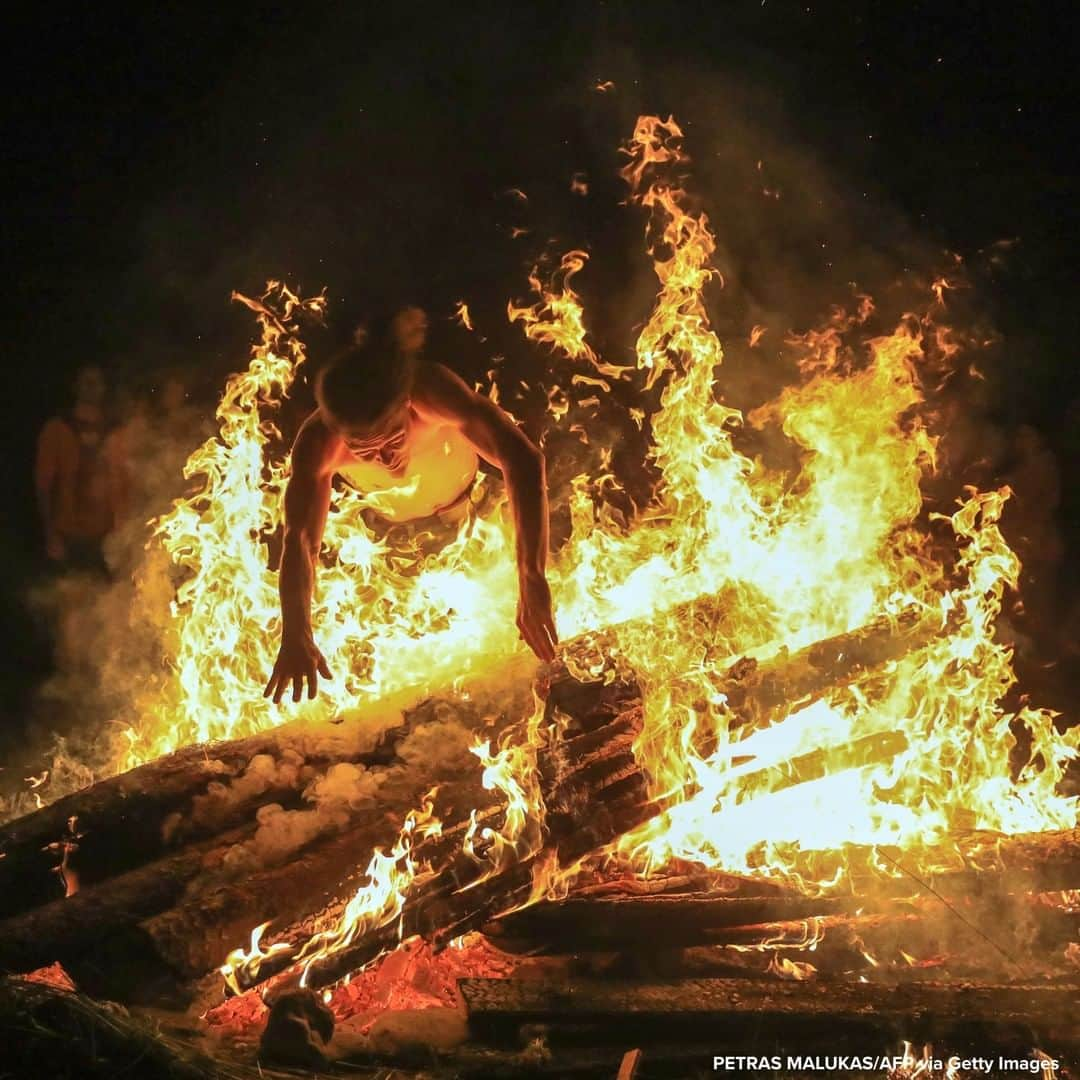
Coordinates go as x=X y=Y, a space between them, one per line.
x=315 y=445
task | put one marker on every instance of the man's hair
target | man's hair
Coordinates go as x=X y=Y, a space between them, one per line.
x=373 y=373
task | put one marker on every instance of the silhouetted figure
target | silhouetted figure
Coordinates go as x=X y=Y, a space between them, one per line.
x=146 y=453
x=75 y=498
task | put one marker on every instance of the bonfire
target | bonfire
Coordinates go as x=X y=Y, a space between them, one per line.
x=770 y=777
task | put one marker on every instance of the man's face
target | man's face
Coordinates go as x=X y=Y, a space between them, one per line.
x=385 y=442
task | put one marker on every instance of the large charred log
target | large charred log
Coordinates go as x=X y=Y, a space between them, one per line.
x=136 y=817
x=1012 y=1016
x=75 y=927
x=575 y=923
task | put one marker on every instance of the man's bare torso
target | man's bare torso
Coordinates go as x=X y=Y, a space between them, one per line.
x=437 y=469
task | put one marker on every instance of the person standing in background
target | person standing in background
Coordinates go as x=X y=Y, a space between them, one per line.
x=71 y=478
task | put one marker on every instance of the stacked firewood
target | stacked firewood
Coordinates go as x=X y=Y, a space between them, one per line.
x=156 y=852
x=142 y=884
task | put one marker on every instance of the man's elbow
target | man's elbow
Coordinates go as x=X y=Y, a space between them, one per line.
x=528 y=464
x=300 y=543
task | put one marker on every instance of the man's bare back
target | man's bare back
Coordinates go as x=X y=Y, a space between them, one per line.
x=428 y=438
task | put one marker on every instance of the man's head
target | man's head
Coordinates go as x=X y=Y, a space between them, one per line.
x=363 y=393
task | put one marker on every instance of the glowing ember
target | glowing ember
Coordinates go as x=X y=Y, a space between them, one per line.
x=54 y=975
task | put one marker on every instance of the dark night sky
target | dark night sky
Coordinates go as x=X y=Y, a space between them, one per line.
x=156 y=160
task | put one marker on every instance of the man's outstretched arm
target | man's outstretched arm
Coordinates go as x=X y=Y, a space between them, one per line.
x=500 y=441
x=307 y=503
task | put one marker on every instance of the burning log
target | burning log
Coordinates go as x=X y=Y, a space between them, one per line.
x=591 y=783
x=157 y=913
x=755 y=690
x=71 y=927
x=982 y=864
x=135 y=817
x=1045 y=1015
x=595 y=791
x=459 y=899
x=566 y=925
x=195 y=935
x=439 y=917
x=154 y=911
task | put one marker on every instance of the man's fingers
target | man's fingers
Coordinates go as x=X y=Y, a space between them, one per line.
x=312 y=685
x=297 y=687
x=536 y=642
x=547 y=650
x=274 y=685
x=324 y=668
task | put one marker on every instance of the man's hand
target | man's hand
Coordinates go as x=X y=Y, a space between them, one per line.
x=534 y=617
x=298 y=659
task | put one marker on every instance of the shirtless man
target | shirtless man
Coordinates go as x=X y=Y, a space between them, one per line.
x=407 y=432
x=72 y=478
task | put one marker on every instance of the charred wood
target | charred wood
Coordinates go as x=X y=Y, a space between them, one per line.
x=634 y=921
x=65 y=928
x=134 y=818
x=1045 y=1014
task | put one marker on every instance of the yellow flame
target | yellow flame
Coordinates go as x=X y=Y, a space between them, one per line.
x=556 y=319
x=461 y=313
x=380 y=899
x=249 y=960
x=785 y=968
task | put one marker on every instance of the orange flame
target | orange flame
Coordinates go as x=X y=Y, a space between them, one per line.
x=557 y=318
